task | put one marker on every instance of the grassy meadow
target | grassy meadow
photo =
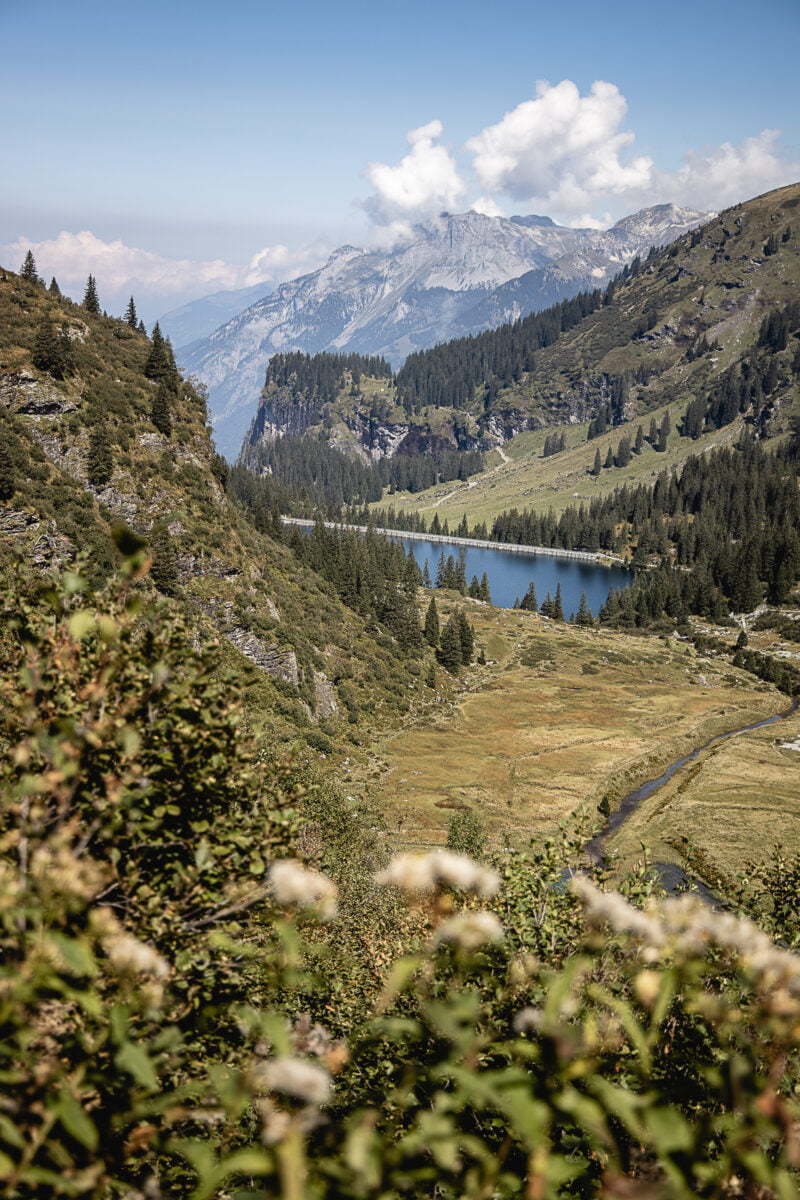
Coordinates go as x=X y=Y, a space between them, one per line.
x=562 y=720
x=530 y=481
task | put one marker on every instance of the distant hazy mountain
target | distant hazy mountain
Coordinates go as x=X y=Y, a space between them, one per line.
x=198 y=318
x=459 y=274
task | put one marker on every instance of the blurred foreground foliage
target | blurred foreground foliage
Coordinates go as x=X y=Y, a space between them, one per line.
x=179 y=1019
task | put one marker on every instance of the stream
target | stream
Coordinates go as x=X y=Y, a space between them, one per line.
x=673 y=878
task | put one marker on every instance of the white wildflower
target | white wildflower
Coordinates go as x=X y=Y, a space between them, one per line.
x=470 y=930
x=610 y=908
x=127 y=953
x=426 y=873
x=295 y=1077
x=296 y=886
x=528 y=1020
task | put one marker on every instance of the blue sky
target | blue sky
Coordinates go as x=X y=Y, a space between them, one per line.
x=207 y=131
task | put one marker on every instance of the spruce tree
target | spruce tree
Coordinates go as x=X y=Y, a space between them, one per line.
x=584 y=614
x=529 y=602
x=432 y=623
x=467 y=636
x=161 y=409
x=609 y=459
x=663 y=434
x=51 y=351
x=638 y=445
x=623 y=455
x=164 y=568
x=141 y=328
x=54 y=289
x=558 y=606
x=485 y=593
x=99 y=458
x=7 y=472
x=130 y=314
x=426 y=575
x=28 y=269
x=450 y=651
x=91 y=301
x=598 y=465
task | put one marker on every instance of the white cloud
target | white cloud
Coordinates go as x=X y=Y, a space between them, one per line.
x=121 y=270
x=728 y=174
x=561 y=149
x=488 y=206
x=423 y=183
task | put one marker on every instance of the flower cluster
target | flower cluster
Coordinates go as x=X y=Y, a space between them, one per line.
x=295 y=1078
x=688 y=927
x=426 y=874
x=295 y=886
x=470 y=930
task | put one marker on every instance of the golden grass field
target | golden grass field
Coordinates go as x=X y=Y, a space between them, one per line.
x=565 y=718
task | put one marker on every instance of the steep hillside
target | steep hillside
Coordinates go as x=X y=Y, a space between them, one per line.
x=690 y=325
x=452 y=278
x=84 y=445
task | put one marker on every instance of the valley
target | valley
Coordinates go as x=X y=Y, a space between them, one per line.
x=564 y=721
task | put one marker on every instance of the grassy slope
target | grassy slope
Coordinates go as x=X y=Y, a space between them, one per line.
x=565 y=718
x=230 y=574
x=692 y=295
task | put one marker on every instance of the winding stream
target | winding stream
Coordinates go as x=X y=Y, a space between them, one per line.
x=673 y=877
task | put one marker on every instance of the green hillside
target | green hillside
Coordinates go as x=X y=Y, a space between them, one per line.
x=671 y=332
x=94 y=411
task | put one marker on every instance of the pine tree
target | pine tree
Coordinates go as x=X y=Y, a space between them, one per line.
x=467 y=636
x=485 y=593
x=663 y=434
x=164 y=568
x=51 y=351
x=161 y=409
x=609 y=459
x=558 y=606
x=426 y=575
x=529 y=602
x=598 y=465
x=54 y=289
x=430 y=678
x=7 y=472
x=99 y=458
x=432 y=623
x=450 y=652
x=623 y=455
x=652 y=436
x=130 y=314
x=584 y=614
x=160 y=363
x=28 y=269
x=141 y=328
x=546 y=607
x=638 y=445
x=91 y=301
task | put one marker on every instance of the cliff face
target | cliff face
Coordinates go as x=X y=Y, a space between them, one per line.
x=287 y=633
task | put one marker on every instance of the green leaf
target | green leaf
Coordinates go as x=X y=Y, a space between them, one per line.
x=134 y=1060
x=76 y=954
x=76 y=1122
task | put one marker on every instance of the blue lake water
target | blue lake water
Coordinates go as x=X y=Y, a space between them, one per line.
x=509 y=574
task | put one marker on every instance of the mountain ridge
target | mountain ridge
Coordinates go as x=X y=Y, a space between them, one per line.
x=443 y=283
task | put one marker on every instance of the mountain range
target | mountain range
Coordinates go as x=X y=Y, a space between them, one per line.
x=459 y=274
